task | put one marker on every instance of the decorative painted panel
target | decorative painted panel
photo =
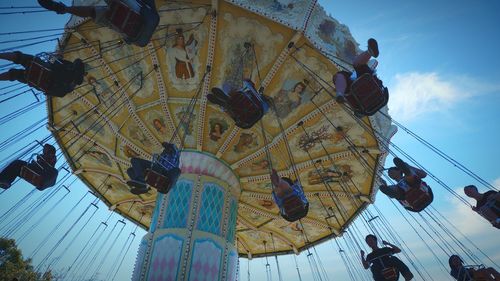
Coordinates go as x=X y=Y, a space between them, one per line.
x=231 y=225
x=165 y=260
x=212 y=201
x=179 y=204
x=206 y=261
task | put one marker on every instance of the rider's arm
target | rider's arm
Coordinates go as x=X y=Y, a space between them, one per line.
x=395 y=249
x=366 y=265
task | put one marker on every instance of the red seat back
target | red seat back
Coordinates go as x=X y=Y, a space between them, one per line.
x=419 y=198
x=39 y=76
x=124 y=19
x=160 y=181
x=294 y=208
x=483 y=275
x=366 y=95
x=491 y=209
x=31 y=176
x=390 y=274
x=246 y=109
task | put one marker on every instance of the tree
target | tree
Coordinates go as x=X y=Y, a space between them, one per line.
x=14 y=267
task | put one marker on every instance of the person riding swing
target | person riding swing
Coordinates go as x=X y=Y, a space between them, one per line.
x=290 y=197
x=488 y=204
x=44 y=72
x=461 y=272
x=246 y=106
x=135 y=20
x=382 y=262
x=162 y=172
x=40 y=172
x=362 y=89
x=410 y=190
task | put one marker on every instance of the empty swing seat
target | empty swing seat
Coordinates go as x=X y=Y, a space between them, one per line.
x=417 y=199
x=136 y=20
x=163 y=182
x=366 y=96
x=390 y=274
x=39 y=76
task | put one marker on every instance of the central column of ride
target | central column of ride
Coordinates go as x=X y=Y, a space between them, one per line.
x=193 y=227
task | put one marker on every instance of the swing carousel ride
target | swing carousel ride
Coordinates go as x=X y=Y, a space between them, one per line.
x=133 y=99
x=281 y=125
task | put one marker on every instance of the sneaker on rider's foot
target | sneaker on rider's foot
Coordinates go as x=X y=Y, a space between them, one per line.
x=340 y=98
x=217 y=97
x=51 y=5
x=138 y=187
x=373 y=47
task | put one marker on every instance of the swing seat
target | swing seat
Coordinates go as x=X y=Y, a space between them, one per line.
x=482 y=275
x=137 y=22
x=39 y=76
x=293 y=206
x=246 y=107
x=294 y=209
x=163 y=182
x=32 y=177
x=491 y=209
x=390 y=274
x=366 y=96
x=125 y=18
x=417 y=199
x=43 y=179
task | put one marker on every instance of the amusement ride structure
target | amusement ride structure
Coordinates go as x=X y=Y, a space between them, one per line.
x=221 y=208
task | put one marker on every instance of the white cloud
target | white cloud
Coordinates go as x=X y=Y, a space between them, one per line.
x=496 y=183
x=414 y=94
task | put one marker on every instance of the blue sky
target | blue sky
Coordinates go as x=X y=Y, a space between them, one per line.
x=439 y=61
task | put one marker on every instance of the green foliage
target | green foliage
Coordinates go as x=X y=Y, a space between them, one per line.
x=14 y=267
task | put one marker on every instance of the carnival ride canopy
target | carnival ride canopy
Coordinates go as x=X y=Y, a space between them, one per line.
x=134 y=99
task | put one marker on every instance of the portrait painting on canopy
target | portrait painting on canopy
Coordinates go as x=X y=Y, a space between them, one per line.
x=182 y=50
x=103 y=91
x=138 y=135
x=292 y=95
x=129 y=152
x=260 y=165
x=157 y=120
x=245 y=142
x=241 y=66
x=325 y=175
x=217 y=128
x=135 y=72
x=245 y=51
x=186 y=120
x=100 y=157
